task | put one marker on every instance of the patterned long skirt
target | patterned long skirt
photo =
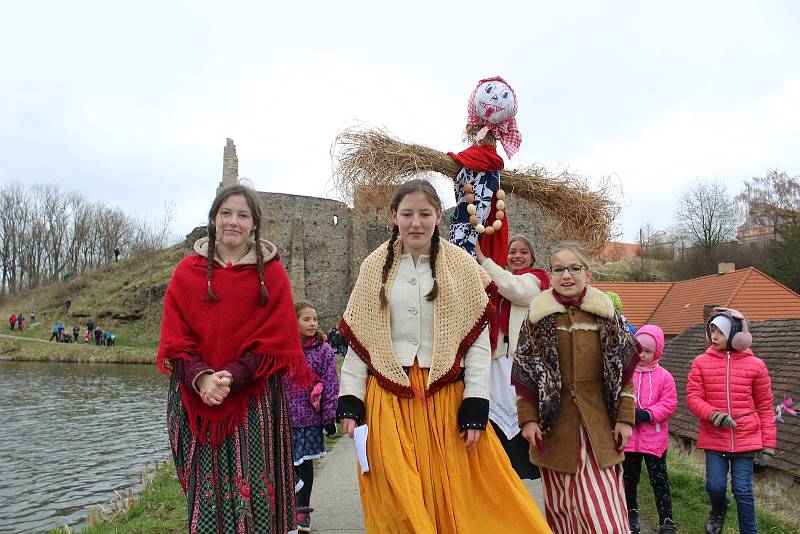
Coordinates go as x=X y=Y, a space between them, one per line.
x=246 y=483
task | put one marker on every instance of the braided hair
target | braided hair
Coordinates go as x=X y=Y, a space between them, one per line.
x=412 y=186
x=255 y=211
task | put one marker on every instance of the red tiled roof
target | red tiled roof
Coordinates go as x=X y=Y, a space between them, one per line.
x=639 y=299
x=619 y=251
x=775 y=342
x=749 y=290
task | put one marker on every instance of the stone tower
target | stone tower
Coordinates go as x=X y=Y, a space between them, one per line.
x=230 y=166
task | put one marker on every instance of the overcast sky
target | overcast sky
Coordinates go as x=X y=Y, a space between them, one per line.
x=131 y=102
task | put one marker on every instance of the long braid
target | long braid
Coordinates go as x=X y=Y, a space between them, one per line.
x=434 y=251
x=387 y=266
x=263 y=296
x=212 y=240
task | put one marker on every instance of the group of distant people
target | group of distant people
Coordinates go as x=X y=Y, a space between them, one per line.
x=93 y=332
x=17 y=320
x=337 y=342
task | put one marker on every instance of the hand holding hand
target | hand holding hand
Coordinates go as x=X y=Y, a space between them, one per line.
x=720 y=419
x=622 y=433
x=330 y=429
x=223 y=378
x=471 y=437
x=213 y=388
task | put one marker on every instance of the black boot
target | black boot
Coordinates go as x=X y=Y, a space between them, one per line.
x=667 y=527
x=715 y=521
x=633 y=521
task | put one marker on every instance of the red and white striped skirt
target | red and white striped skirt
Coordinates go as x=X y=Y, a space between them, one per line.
x=592 y=500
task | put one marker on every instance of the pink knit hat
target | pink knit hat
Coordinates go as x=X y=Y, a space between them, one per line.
x=651 y=337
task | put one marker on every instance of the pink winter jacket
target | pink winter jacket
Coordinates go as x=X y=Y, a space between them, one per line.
x=655 y=392
x=736 y=383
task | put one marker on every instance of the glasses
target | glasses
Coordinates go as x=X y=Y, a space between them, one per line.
x=574 y=270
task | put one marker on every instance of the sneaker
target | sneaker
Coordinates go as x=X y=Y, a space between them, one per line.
x=633 y=521
x=304 y=519
x=716 y=518
x=303 y=522
x=667 y=527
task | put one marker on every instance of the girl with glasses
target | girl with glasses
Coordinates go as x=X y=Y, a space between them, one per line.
x=572 y=372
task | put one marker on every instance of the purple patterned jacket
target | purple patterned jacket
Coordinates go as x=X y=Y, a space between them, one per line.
x=322 y=362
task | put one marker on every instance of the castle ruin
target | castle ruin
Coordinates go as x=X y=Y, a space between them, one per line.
x=323 y=241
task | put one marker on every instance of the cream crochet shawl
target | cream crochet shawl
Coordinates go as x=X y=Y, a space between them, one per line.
x=461 y=311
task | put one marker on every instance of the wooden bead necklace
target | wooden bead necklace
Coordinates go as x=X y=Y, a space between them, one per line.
x=499 y=214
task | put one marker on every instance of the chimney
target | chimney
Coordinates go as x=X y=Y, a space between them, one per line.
x=723 y=268
x=708 y=311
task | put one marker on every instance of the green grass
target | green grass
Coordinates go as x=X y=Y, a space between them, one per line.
x=690 y=504
x=63 y=352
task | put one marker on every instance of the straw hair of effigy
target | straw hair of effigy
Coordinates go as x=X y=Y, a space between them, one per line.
x=370 y=164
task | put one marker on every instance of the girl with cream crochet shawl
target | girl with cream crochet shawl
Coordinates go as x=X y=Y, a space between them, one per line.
x=417 y=373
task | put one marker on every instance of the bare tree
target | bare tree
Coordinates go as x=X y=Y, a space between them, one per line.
x=773 y=199
x=46 y=233
x=708 y=216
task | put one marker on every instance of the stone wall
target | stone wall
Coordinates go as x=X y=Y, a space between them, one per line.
x=323 y=243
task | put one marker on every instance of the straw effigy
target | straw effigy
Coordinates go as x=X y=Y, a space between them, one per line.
x=370 y=164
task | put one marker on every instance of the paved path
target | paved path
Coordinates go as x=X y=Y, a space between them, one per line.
x=335 y=498
x=21 y=338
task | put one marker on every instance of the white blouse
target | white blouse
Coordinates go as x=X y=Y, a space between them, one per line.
x=412 y=335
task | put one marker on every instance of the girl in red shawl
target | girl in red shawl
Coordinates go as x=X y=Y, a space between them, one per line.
x=516 y=288
x=228 y=335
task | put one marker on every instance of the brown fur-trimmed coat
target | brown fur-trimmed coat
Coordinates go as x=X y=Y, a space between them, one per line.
x=581 y=364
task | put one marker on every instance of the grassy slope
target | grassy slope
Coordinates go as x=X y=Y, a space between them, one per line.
x=114 y=296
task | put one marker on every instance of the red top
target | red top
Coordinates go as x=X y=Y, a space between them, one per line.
x=224 y=331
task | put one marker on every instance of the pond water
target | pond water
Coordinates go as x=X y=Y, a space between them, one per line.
x=71 y=434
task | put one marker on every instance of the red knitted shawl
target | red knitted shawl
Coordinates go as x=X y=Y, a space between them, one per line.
x=220 y=332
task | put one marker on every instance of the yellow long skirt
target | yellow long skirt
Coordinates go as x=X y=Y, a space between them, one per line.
x=422 y=479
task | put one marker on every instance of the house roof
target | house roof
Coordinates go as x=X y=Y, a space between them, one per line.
x=777 y=342
x=614 y=251
x=639 y=299
x=749 y=290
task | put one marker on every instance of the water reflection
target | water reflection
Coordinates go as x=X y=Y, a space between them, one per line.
x=71 y=435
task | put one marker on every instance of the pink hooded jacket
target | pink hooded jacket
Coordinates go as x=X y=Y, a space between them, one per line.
x=655 y=392
x=736 y=383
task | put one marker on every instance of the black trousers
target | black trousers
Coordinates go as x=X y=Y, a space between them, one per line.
x=305 y=472
x=659 y=480
x=518 y=451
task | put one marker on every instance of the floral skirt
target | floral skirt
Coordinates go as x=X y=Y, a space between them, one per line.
x=246 y=483
x=307 y=443
x=422 y=478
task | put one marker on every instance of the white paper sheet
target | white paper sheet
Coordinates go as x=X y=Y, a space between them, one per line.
x=360 y=441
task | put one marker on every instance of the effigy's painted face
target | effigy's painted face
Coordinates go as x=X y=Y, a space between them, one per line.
x=494 y=102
